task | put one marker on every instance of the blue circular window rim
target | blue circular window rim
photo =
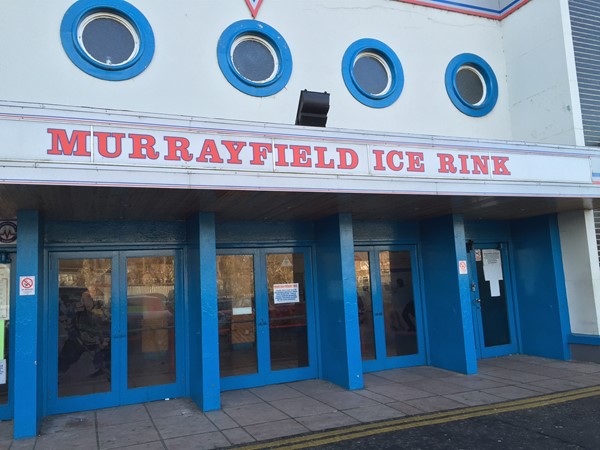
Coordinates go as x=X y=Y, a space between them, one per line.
x=84 y=8
x=393 y=62
x=489 y=78
x=267 y=33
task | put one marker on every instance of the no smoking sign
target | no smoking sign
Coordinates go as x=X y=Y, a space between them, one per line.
x=27 y=285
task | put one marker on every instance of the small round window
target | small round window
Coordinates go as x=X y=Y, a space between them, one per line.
x=108 y=39
x=254 y=58
x=471 y=85
x=372 y=73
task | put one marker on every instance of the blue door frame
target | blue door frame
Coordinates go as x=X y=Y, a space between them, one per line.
x=120 y=393
x=265 y=375
x=477 y=290
x=6 y=409
x=382 y=361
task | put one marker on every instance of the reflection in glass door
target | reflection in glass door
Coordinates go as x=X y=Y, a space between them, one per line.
x=150 y=321
x=388 y=308
x=113 y=319
x=84 y=326
x=264 y=300
x=6 y=293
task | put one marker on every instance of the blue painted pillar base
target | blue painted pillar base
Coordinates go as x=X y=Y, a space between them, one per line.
x=204 y=376
x=28 y=392
x=448 y=298
x=341 y=361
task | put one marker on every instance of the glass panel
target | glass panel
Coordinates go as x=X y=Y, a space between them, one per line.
x=253 y=60
x=150 y=321
x=108 y=41
x=287 y=311
x=371 y=75
x=365 y=304
x=470 y=85
x=84 y=326
x=4 y=329
x=494 y=311
x=237 y=322
x=398 y=303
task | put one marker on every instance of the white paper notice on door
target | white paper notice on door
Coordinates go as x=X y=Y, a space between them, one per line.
x=2 y=371
x=492 y=270
x=286 y=293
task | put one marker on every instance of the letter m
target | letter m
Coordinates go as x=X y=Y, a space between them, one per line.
x=76 y=145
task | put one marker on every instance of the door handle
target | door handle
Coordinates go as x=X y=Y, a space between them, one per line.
x=477 y=300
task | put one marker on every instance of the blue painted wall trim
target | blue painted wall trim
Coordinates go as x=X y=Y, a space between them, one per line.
x=205 y=384
x=540 y=283
x=448 y=299
x=28 y=398
x=341 y=361
x=584 y=339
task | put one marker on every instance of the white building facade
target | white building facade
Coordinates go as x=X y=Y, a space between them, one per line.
x=209 y=196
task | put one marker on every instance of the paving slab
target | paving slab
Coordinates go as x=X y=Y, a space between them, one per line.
x=122 y=435
x=327 y=421
x=204 y=441
x=432 y=404
x=302 y=407
x=374 y=413
x=176 y=426
x=475 y=398
x=254 y=414
x=345 y=400
x=272 y=430
x=122 y=415
x=238 y=436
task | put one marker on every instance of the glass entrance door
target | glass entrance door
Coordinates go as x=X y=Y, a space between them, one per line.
x=6 y=301
x=493 y=315
x=266 y=334
x=389 y=308
x=113 y=329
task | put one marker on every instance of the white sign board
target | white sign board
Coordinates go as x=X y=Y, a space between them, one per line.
x=2 y=371
x=27 y=285
x=492 y=270
x=93 y=148
x=286 y=293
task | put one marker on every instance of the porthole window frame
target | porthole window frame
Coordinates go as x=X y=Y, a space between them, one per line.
x=253 y=29
x=118 y=10
x=392 y=65
x=486 y=75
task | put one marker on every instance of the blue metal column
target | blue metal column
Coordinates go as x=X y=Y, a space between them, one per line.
x=448 y=299
x=541 y=290
x=27 y=393
x=205 y=385
x=341 y=361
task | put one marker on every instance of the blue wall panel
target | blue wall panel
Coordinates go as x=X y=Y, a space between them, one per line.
x=488 y=231
x=28 y=398
x=540 y=284
x=110 y=233
x=448 y=304
x=264 y=233
x=383 y=232
x=341 y=361
x=205 y=387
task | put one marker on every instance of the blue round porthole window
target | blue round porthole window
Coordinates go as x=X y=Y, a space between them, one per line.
x=254 y=58
x=471 y=85
x=372 y=73
x=108 y=39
